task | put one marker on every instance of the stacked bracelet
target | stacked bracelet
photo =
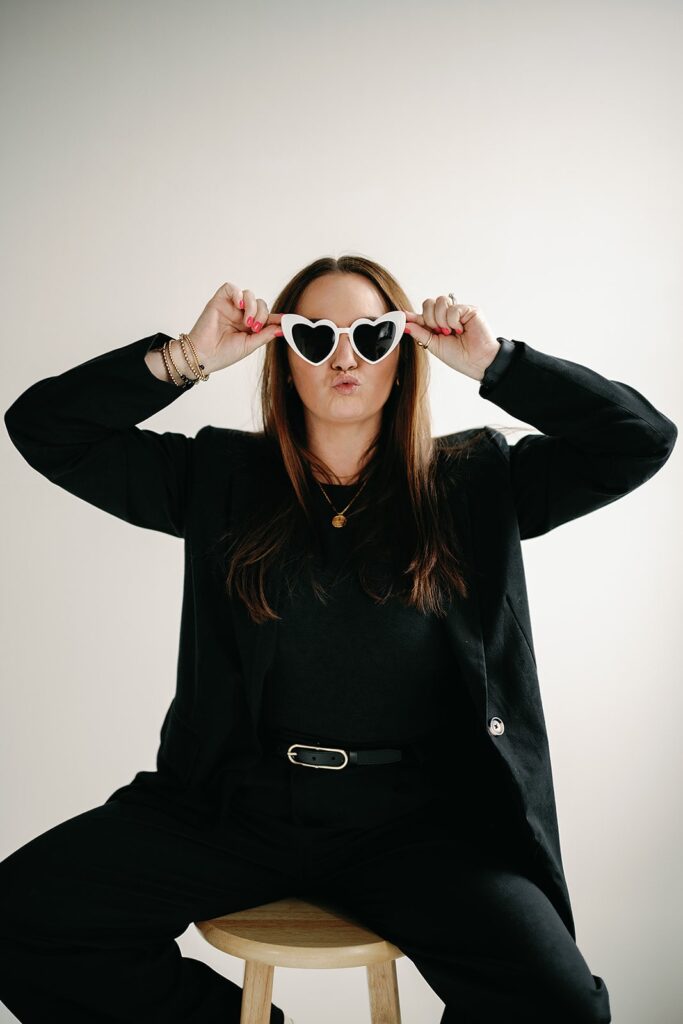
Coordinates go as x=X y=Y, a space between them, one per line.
x=198 y=369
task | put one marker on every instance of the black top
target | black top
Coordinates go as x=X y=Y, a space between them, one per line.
x=354 y=672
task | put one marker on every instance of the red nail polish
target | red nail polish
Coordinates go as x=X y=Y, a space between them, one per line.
x=241 y=303
x=407 y=329
x=250 y=321
x=458 y=330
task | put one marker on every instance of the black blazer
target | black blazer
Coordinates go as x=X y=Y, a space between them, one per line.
x=599 y=440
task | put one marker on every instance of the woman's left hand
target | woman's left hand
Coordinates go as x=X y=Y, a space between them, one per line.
x=469 y=351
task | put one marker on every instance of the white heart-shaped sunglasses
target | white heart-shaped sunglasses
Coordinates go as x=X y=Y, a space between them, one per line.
x=316 y=340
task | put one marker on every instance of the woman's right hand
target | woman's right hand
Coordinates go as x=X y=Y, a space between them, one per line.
x=221 y=335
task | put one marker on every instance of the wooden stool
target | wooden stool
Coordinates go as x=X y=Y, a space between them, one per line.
x=295 y=933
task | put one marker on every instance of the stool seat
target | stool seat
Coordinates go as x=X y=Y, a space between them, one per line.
x=294 y=932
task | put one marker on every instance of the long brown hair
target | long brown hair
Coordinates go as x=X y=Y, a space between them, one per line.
x=409 y=534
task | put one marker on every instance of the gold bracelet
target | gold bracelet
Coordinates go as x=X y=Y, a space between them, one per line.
x=195 y=373
x=199 y=367
x=185 y=381
x=165 y=353
x=179 y=372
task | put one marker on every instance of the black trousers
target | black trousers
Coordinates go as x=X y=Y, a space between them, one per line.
x=91 y=908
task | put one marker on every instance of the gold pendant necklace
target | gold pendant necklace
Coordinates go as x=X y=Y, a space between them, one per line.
x=339 y=519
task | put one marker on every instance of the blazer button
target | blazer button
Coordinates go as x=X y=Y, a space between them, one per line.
x=496 y=726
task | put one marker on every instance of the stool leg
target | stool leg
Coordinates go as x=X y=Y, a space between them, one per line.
x=383 y=990
x=257 y=992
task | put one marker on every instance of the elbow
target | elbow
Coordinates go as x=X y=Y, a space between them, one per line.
x=650 y=440
x=672 y=434
x=25 y=439
x=12 y=423
x=665 y=440
x=14 y=416
x=659 y=451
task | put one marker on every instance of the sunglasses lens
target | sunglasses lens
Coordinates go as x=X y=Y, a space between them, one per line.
x=314 y=343
x=374 y=340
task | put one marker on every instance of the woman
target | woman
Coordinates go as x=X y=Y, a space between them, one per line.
x=354 y=601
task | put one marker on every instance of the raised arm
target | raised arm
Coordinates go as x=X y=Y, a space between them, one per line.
x=599 y=440
x=78 y=429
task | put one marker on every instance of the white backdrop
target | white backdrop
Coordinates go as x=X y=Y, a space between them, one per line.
x=526 y=156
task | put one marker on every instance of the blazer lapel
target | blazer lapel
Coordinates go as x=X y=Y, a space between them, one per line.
x=463 y=619
x=255 y=642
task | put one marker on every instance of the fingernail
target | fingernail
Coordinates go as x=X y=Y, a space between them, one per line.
x=445 y=330
x=458 y=330
x=241 y=303
x=278 y=333
x=407 y=329
x=250 y=321
x=258 y=325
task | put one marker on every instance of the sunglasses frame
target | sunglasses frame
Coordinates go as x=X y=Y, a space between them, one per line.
x=289 y=320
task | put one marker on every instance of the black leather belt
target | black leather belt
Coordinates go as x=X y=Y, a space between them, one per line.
x=309 y=755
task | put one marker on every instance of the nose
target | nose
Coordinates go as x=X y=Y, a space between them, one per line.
x=344 y=356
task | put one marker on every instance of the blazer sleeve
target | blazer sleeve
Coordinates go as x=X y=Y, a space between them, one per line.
x=599 y=438
x=78 y=429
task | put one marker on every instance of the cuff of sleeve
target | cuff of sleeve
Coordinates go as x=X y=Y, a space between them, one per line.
x=497 y=367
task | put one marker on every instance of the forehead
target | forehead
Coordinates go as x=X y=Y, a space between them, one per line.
x=359 y=316
x=342 y=299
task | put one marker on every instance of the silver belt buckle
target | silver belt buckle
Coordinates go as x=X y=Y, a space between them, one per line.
x=308 y=746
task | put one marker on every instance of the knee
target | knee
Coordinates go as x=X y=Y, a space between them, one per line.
x=578 y=1001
